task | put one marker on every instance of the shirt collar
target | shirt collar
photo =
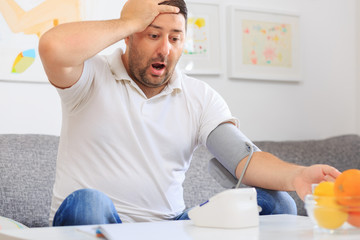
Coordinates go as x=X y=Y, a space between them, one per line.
x=120 y=74
x=117 y=66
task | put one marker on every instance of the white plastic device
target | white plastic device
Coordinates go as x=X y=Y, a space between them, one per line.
x=232 y=208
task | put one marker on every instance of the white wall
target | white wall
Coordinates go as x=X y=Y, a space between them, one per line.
x=324 y=104
x=29 y=108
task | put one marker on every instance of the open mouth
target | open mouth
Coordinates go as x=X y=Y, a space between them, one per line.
x=158 y=66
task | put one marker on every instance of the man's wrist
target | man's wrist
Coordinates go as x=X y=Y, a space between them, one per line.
x=297 y=180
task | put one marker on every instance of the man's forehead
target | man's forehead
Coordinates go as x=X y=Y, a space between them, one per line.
x=172 y=22
x=179 y=30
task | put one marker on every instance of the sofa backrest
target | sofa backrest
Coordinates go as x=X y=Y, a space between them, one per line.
x=27 y=171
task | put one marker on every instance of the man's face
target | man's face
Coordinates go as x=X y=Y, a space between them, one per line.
x=153 y=54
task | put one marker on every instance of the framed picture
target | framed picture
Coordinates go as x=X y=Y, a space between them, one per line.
x=22 y=23
x=201 y=50
x=264 y=45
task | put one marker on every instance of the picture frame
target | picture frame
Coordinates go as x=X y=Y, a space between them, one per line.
x=263 y=44
x=22 y=23
x=201 y=55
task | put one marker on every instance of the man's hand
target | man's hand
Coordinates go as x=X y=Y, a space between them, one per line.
x=141 y=13
x=307 y=176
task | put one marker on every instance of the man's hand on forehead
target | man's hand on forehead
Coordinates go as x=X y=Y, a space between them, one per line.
x=141 y=13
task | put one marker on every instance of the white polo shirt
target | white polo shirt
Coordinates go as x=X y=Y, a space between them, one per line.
x=134 y=149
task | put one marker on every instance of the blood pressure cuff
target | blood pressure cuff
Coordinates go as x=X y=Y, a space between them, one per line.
x=228 y=145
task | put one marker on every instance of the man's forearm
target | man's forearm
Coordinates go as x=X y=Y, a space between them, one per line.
x=267 y=171
x=70 y=44
x=65 y=48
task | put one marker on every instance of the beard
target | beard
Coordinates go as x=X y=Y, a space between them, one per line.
x=138 y=70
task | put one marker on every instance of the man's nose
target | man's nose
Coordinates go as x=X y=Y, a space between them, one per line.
x=165 y=46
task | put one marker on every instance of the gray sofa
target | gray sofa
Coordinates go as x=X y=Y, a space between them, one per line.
x=27 y=168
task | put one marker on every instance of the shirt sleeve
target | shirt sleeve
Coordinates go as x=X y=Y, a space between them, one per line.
x=76 y=96
x=215 y=111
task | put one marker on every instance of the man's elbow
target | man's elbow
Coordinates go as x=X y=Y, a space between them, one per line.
x=46 y=47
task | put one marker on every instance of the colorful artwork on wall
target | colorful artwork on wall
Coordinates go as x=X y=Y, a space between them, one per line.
x=22 y=23
x=197 y=41
x=264 y=44
x=267 y=44
x=201 y=53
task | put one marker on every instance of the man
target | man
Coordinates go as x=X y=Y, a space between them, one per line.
x=131 y=122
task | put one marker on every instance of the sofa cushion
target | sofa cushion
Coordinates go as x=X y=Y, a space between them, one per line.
x=27 y=173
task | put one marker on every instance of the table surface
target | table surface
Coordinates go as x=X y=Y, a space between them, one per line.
x=270 y=228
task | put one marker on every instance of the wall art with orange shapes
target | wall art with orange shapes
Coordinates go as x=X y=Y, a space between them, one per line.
x=22 y=22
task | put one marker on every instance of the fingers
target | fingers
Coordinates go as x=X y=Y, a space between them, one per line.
x=331 y=171
x=164 y=8
x=329 y=178
x=168 y=9
x=138 y=14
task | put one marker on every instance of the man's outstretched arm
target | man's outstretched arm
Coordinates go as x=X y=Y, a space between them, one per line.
x=268 y=171
x=265 y=170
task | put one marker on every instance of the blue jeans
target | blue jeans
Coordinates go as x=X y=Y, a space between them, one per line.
x=89 y=206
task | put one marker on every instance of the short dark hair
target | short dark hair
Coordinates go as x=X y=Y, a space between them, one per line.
x=177 y=3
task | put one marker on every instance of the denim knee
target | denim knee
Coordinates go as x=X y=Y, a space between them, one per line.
x=275 y=202
x=183 y=216
x=85 y=207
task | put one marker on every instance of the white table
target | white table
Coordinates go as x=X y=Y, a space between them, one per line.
x=270 y=228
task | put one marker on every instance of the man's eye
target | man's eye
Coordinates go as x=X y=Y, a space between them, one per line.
x=153 y=36
x=175 y=39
